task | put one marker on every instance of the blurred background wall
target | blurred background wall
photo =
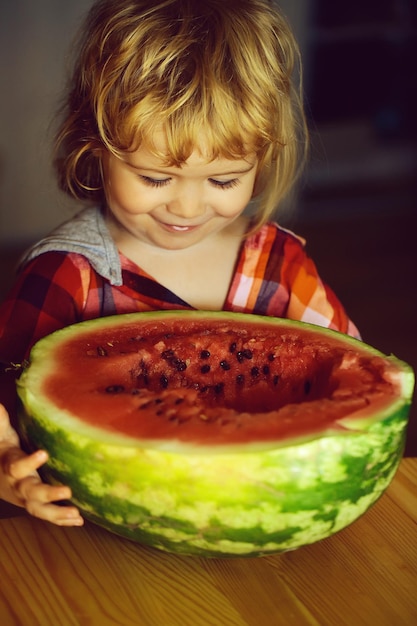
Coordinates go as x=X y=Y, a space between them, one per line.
x=361 y=88
x=356 y=205
x=360 y=79
x=34 y=42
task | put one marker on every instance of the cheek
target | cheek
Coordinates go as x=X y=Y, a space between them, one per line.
x=231 y=207
x=126 y=197
x=243 y=197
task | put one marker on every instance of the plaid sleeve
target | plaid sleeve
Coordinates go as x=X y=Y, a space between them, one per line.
x=276 y=277
x=48 y=295
x=310 y=299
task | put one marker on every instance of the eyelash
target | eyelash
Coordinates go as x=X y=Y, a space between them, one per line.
x=227 y=184
x=155 y=182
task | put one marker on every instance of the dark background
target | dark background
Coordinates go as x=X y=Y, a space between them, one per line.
x=357 y=203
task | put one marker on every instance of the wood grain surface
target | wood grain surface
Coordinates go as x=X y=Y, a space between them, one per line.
x=366 y=575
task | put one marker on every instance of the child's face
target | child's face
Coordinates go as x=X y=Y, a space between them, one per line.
x=176 y=207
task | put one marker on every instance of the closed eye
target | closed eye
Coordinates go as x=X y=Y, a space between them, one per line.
x=154 y=182
x=224 y=184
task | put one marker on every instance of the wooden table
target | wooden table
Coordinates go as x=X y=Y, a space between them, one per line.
x=364 y=575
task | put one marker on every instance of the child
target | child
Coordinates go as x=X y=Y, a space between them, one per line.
x=180 y=114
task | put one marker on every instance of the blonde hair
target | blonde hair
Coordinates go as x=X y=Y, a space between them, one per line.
x=218 y=69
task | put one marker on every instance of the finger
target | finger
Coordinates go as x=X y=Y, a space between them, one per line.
x=69 y=522
x=19 y=465
x=31 y=488
x=59 y=515
x=40 y=500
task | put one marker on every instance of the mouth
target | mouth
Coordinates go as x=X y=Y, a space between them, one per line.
x=176 y=228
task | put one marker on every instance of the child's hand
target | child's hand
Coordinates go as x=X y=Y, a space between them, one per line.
x=21 y=485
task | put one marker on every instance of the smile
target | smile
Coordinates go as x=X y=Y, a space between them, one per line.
x=179 y=229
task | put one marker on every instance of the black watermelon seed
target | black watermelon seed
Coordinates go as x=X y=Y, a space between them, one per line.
x=218 y=388
x=225 y=365
x=307 y=387
x=266 y=370
x=205 y=369
x=247 y=354
x=255 y=372
x=179 y=401
x=180 y=366
x=240 y=379
x=271 y=357
x=240 y=357
x=232 y=347
x=115 y=389
x=275 y=380
x=204 y=354
x=164 y=381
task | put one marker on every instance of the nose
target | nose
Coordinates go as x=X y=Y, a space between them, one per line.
x=186 y=204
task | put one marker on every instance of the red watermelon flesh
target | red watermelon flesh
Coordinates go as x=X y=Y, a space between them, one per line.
x=226 y=383
x=215 y=434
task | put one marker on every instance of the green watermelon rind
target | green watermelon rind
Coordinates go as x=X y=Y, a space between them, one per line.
x=236 y=501
x=226 y=504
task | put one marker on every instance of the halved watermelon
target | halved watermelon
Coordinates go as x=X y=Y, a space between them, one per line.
x=216 y=434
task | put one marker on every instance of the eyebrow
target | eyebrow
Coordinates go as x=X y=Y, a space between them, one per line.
x=241 y=171
x=244 y=170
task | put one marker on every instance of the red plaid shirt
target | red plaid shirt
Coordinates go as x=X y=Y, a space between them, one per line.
x=273 y=277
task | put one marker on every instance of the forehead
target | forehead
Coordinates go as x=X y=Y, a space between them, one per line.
x=156 y=152
x=175 y=147
x=199 y=163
